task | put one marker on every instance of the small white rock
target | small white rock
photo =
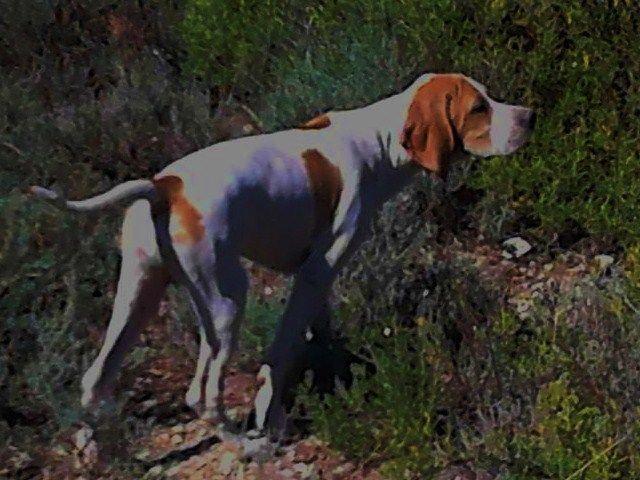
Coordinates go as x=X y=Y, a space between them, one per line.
x=259 y=448
x=308 y=335
x=537 y=286
x=604 y=261
x=226 y=462
x=305 y=470
x=154 y=472
x=516 y=247
x=523 y=307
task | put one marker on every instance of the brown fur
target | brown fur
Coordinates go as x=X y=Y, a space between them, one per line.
x=326 y=185
x=439 y=116
x=317 y=123
x=190 y=228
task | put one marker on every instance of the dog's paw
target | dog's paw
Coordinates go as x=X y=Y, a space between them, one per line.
x=88 y=400
x=93 y=396
x=193 y=397
x=210 y=414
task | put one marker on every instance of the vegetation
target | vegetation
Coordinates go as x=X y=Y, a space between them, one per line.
x=95 y=92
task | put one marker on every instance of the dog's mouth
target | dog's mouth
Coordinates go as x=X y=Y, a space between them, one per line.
x=517 y=139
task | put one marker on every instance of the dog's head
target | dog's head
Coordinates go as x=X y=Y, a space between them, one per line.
x=451 y=112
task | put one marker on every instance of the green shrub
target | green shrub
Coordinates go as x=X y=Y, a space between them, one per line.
x=257 y=330
x=81 y=109
x=551 y=395
x=393 y=415
x=230 y=43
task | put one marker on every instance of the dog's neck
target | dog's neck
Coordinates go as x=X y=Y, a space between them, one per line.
x=374 y=134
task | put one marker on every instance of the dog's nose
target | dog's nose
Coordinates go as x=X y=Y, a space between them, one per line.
x=527 y=118
x=532 y=119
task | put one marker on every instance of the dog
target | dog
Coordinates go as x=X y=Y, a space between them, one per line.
x=298 y=201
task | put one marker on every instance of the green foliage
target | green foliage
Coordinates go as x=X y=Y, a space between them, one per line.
x=81 y=109
x=576 y=63
x=374 y=420
x=230 y=43
x=259 y=326
x=551 y=395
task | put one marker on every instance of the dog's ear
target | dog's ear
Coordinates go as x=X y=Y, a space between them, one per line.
x=427 y=134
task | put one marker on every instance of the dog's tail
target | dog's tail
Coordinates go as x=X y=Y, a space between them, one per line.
x=126 y=192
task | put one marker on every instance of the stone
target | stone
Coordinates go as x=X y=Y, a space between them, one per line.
x=515 y=247
x=154 y=472
x=305 y=470
x=226 y=462
x=604 y=261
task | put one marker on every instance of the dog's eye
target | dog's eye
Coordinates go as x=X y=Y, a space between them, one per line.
x=480 y=107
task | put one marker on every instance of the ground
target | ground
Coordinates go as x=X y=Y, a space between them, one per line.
x=178 y=445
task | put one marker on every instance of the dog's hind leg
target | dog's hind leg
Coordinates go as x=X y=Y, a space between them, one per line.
x=194 y=393
x=217 y=285
x=232 y=284
x=142 y=283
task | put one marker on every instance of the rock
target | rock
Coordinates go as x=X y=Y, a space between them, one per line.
x=60 y=451
x=604 y=261
x=154 y=472
x=176 y=439
x=515 y=247
x=177 y=429
x=259 y=448
x=143 y=455
x=305 y=470
x=226 y=462
x=523 y=306
x=537 y=286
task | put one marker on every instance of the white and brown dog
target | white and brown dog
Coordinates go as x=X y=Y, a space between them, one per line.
x=298 y=201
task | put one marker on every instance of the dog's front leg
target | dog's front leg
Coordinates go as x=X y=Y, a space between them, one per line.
x=307 y=302
x=284 y=362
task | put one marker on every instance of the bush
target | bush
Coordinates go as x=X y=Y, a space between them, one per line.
x=84 y=104
x=527 y=397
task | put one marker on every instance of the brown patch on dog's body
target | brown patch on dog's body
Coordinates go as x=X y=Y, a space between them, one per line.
x=326 y=185
x=317 y=123
x=189 y=228
x=440 y=116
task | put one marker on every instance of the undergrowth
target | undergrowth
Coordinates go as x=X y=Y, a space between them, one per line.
x=549 y=396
